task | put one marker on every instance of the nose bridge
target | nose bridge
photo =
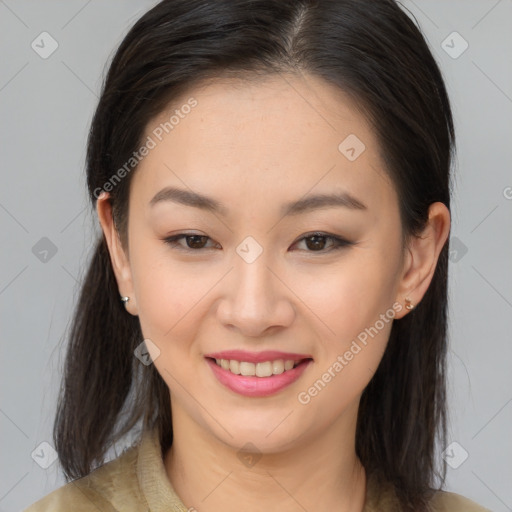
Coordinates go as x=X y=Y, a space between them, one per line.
x=253 y=285
x=255 y=299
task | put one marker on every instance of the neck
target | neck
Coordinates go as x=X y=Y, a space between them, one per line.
x=320 y=473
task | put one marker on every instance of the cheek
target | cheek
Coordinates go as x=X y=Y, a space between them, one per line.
x=359 y=314
x=350 y=295
x=351 y=338
x=171 y=294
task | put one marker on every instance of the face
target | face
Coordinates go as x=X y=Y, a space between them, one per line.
x=262 y=230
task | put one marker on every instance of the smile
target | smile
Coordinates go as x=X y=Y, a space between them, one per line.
x=263 y=369
x=257 y=379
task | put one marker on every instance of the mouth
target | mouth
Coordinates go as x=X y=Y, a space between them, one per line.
x=265 y=374
x=261 y=369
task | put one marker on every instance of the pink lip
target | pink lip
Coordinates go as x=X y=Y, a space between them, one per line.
x=257 y=386
x=257 y=357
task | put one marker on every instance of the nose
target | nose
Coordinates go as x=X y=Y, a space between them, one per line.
x=255 y=299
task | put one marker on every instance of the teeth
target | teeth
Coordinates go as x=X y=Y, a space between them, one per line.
x=278 y=367
x=264 y=369
x=234 y=367
x=247 y=369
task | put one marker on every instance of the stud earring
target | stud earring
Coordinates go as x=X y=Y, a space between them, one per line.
x=124 y=300
x=408 y=304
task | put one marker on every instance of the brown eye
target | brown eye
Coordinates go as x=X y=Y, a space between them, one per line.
x=196 y=241
x=193 y=242
x=316 y=242
x=323 y=242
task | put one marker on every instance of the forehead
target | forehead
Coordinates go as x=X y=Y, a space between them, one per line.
x=281 y=136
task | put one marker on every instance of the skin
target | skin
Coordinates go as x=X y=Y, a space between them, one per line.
x=253 y=147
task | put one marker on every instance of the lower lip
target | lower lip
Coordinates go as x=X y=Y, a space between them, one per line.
x=257 y=386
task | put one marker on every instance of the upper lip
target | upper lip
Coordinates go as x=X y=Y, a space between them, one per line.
x=257 y=357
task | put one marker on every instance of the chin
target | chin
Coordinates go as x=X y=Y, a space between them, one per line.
x=268 y=435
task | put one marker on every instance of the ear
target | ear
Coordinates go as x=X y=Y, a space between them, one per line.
x=118 y=257
x=422 y=254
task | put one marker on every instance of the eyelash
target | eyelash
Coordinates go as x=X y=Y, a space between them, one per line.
x=340 y=242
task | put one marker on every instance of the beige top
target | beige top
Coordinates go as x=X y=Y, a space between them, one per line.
x=137 y=481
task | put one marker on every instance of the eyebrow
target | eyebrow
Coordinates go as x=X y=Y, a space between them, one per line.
x=303 y=205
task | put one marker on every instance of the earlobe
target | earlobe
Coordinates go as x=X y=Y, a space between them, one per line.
x=422 y=257
x=118 y=257
x=409 y=306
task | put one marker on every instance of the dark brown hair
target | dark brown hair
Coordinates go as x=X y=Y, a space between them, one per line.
x=371 y=50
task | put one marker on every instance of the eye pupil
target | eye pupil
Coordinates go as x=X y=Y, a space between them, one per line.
x=195 y=243
x=316 y=240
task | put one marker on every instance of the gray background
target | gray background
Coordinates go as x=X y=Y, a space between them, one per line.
x=46 y=108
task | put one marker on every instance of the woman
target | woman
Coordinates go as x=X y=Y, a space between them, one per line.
x=268 y=299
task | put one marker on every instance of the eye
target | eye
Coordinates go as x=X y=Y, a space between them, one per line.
x=317 y=242
x=193 y=242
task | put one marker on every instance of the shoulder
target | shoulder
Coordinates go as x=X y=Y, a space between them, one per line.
x=382 y=496
x=444 y=501
x=111 y=487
